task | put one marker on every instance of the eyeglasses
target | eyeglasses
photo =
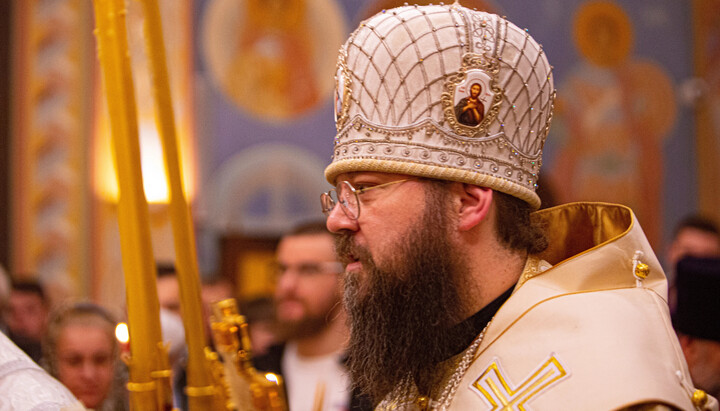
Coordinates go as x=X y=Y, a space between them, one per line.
x=348 y=197
x=309 y=269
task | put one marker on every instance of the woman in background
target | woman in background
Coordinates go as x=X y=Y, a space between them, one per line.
x=81 y=351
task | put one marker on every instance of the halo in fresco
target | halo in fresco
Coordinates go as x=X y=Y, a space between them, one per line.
x=603 y=33
x=612 y=115
x=273 y=58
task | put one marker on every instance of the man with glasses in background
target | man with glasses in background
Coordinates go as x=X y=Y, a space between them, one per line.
x=312 y=323
x=459 y=296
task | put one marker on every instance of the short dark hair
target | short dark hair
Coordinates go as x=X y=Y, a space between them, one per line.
x=165 y=269
x=697 y=222
x=30 y=287
x=516 y=226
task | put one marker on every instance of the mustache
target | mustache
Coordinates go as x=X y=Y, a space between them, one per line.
x=348 y=251
x=289 y=298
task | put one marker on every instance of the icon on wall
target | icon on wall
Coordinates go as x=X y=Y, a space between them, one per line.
x=274 y=59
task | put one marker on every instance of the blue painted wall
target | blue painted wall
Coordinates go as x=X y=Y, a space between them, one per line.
x=662 y=33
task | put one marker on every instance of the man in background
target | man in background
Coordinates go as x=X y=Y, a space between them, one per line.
x=695 y=236
x=168 y=288
x=26 y=316
x=23 y=384
x=311 y=321
x=170 y=318
x=697 y=319
x=173 y=330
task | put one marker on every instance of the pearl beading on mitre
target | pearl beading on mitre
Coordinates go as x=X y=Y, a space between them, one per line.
x=397 y=77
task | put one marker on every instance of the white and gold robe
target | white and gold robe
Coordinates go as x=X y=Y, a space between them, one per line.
x=583 y=330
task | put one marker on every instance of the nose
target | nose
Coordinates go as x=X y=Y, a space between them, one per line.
x=88 y=371
x=338 y=221
x=286 y=282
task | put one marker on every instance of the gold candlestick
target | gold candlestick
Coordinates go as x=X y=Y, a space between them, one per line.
x=135 y=241
x=199 y=387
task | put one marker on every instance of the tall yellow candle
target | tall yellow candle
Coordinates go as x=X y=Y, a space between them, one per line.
x=199 y=384
x=137 y=256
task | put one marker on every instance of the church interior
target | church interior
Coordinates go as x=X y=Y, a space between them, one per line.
x=637 y=122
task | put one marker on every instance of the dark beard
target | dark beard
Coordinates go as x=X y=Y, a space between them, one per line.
x=309 y=326
x=401 y=319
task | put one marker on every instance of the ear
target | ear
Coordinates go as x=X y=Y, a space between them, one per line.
x=475 y=205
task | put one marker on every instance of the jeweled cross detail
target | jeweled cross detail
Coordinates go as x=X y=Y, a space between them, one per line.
x=500 y=393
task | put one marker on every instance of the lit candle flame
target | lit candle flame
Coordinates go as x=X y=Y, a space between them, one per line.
x=271 y=377
x=121 y=333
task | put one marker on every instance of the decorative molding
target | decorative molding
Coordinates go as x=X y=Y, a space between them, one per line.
x=52 y=84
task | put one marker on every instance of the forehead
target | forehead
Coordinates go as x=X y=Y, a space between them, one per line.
x=84 y=337
x=217 y=291
x=692 y=237
x=167 y=286
x=23 y=297
x=306 y=247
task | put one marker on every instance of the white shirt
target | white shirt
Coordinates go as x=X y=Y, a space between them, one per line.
x=303 y=376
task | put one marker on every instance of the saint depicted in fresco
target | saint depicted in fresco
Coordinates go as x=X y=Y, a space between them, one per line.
x=470 y=110
x=614 y=114
x=270 y=56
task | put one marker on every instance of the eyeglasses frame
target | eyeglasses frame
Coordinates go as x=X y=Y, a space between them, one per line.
x=356 y=193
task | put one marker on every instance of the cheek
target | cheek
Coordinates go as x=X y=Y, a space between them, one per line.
x=323 y=295
x=105 y=375
x=378 y=242
x=69 y=375
x=382 y=238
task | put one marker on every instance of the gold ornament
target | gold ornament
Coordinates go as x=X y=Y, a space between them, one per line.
x=642 y=270
x=699 y=398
